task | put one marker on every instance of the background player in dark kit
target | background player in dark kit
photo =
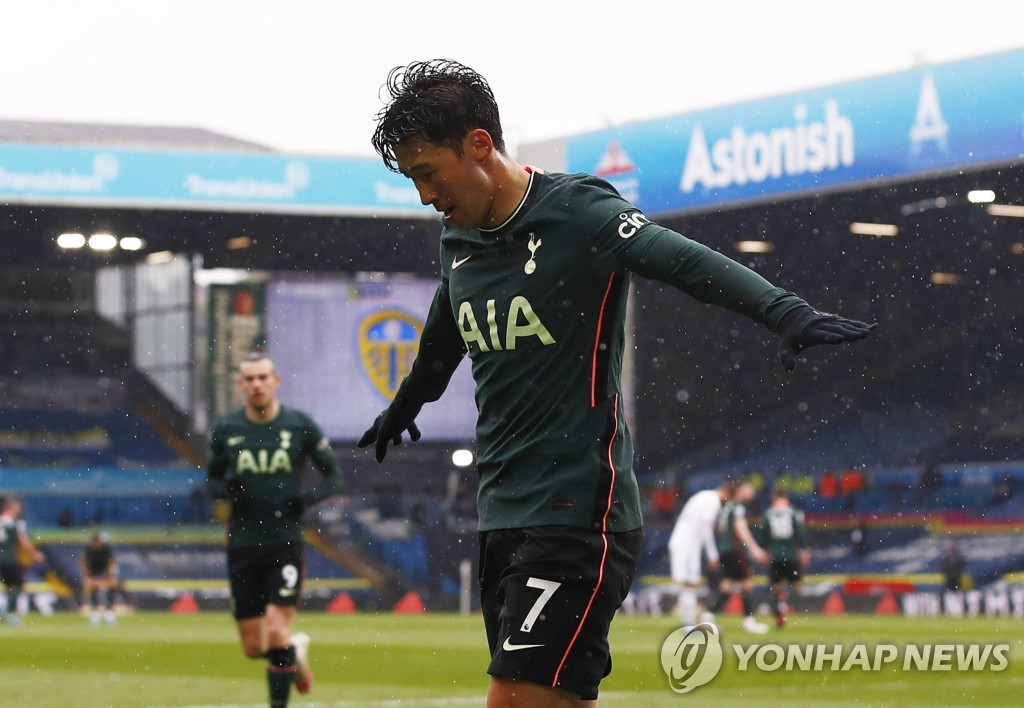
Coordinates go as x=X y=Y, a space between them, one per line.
x=737 y=547
x=256 y=457
x=535 y=270
x=99 y=577
x=14 y=541
x=784 y=537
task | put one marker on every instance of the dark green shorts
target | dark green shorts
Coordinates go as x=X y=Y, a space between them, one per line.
x=784 y=571
x=548 y=595
x=265 y=575
x=734 y=565
x=12 y=575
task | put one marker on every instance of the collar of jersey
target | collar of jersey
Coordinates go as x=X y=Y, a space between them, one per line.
x=487 y=236
x=519 y=206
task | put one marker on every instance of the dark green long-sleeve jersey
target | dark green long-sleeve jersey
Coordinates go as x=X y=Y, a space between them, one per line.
x=726 y=538
x=11 y=530
x=539 y=304
x=783 y=535
x=98 y=558
x=269 y=457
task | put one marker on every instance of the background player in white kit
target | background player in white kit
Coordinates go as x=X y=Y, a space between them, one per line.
x=693 y=537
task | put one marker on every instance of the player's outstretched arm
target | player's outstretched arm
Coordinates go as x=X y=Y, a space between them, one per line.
x=806 y=327
x=396 y=419
x=742 y=530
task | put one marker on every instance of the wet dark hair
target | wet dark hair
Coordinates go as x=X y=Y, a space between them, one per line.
x=439 y=101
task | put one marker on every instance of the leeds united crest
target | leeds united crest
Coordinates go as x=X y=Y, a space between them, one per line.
x=388 y=340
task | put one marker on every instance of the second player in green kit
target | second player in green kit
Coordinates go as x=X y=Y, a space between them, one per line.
x=256 y=456
x=784 y=538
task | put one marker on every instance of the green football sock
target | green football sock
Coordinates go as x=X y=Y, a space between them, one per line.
x=748 y=604
x=280 y=674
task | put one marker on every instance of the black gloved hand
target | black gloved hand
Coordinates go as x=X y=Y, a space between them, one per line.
x=389 y=426
x=806 y=327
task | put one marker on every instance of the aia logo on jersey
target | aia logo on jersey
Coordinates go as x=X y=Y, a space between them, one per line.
x=387 y=341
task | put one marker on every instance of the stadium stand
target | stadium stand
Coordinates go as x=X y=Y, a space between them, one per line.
x=160 y=564
x=82 y=496
x=50 y=438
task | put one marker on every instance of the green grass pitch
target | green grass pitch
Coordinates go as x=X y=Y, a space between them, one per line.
x=156 y=659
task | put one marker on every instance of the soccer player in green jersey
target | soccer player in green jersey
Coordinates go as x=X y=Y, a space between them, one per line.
x=535 y=269
x=256 y=458
x=784 y=538
x=13 y=540
x=99 y=578
x=736 y=548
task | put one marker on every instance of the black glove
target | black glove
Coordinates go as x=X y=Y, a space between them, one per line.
x=234 y=491
x=806 y=327
x=389 y=426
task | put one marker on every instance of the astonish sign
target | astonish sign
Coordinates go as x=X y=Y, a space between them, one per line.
x=961 y=115
x=807 y=147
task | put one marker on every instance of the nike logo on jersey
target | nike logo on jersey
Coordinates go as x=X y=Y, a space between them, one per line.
x=286 y=592
x=236 y=440
x=509 y=646
x=457 y=262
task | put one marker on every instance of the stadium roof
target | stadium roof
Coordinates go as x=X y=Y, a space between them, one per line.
x=148 y=136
